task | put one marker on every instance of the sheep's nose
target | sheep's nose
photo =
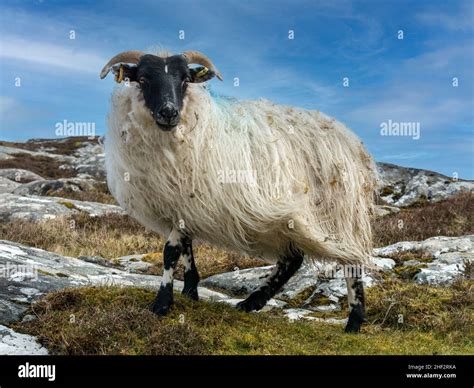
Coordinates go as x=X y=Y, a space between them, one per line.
x=169 y=112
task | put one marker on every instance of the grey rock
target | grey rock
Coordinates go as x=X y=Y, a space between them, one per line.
x=7 y=186
x=90 y=160
x=385 y=210
x=36 y=208
x=242 y=282
x=15 y=344
x=449 y=257
x=19 y=175
x=97 y=260
x=11 y=151
x=50 y=186
x=383 y=263
x=28 y=318
x=405 y=186
x=133 y=263
x=28 y=273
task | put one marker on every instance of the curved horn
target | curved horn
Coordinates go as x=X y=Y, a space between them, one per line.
x=201 y=59
x=124 y=57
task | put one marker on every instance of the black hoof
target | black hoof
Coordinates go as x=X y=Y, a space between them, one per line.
x=256 y=301
x=163 y=301
x=191 y=293
x=356 y=319
x=353 y=327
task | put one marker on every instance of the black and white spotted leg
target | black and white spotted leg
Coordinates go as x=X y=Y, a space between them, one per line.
x=191 y=275
x=356 y=299
x=284 y=270
x=171 y=253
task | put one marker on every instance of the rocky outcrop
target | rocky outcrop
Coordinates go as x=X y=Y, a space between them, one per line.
x=28 y=273
x=16 y=344
x=19 y=175
x=7 y=186
x=403 y=186
x=51 y=186
x=37 y=208
x=442 y=259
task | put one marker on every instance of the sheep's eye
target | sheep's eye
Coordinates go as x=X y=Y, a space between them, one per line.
x=142 y=80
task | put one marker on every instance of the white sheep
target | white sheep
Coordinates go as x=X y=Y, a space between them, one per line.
x=261 y=179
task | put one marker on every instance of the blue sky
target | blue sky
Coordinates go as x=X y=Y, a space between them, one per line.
x=407 y=80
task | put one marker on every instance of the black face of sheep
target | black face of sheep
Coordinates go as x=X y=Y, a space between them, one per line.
x=163 y=80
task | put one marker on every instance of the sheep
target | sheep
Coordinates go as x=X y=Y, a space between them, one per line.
x=260 y=179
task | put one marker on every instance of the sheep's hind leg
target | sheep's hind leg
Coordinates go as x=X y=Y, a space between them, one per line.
x=356 y=299
x=284 y=270
x=191 y=275
x=171 y=253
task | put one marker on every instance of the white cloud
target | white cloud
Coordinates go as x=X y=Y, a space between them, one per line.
x=459 y=20
x=43 y=53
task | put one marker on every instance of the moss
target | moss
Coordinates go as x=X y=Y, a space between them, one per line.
x=68 y=204
x=387 y=190
x=300 y=299
x=61 y=275
x=46 y=273
x=117 y=321
x=408 y=272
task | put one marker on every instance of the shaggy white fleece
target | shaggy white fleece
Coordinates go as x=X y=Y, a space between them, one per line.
x=248 y=176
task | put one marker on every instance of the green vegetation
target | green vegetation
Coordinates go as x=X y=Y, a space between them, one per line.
x=116 y=321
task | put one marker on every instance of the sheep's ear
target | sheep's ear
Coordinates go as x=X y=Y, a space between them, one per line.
x=125 y=72
x=201 y=74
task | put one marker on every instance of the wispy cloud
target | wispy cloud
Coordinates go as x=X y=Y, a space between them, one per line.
x=49 y=54
x=453 y=18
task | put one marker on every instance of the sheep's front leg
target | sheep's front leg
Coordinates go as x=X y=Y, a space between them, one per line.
x=171 y=253
x=284 y=270
x=356 y=299
x=191 y=275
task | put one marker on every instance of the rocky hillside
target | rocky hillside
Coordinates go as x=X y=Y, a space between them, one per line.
x=60 y=229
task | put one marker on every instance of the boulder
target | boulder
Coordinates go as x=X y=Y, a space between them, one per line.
x=7 y=186
x=37 y=208
x=16 y=344
x=19 y=175
x=28 y=273
x=402 y=186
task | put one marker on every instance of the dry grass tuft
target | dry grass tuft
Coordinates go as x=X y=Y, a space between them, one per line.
x=410 y=306
x=42 y=165
x=100 y=194
x=451 y=217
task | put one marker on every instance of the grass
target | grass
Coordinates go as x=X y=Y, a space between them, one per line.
x=116 y=321
x=422 y=307
x=44 y=166
x=451 y=217
x=100 y=193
